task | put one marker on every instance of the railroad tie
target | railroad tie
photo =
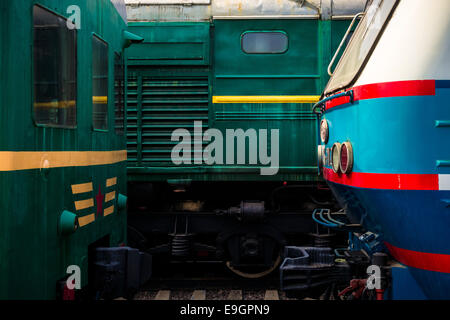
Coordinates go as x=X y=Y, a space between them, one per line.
x=235 y=295
x=163 y=295
x=271 y=295
x=198 y=295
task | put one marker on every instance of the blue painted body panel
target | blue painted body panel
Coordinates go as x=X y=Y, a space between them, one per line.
x=404 y=286
x=393 y=135
x=399 y=135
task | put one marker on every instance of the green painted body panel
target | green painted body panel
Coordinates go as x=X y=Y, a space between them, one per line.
x=170 y=44
x=168 y=74
x=33 y=256
x=294 y=72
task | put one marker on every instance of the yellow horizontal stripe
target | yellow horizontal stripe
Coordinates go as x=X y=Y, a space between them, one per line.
x=265 y=99
x=81 y=188
x=83 y=204
x=82 y=221
x=69 y=103
x=100 y=99
x=55 y=104
x=111 y=181
x=110 y=196
x=25 y=160
x=108 y=210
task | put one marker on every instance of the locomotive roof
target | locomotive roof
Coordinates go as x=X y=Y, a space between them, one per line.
x=202 y=10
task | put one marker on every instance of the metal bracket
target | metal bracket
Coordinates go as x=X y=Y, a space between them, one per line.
x=322 y=102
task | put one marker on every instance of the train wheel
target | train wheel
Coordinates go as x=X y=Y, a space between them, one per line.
x=257 y=274
x=251 y=251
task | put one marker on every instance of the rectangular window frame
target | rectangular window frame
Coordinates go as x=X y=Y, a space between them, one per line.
x=264 y=31
x=93 y=36
x=33 y=115
x=338 y=81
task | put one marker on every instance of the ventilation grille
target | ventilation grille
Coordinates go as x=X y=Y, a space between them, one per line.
x=158 y=105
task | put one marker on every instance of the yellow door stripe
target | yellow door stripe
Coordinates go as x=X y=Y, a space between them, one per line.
x=100 y=99
x=110 y=196
x=108 y=210
x=265 y=99
x=26 y=160
x=83 y=204
x=111 y=181
x=82 y=221
x=81 y=188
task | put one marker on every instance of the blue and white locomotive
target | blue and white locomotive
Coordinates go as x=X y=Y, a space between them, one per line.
x=385 y=134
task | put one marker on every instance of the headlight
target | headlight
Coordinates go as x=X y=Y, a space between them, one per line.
x=336 y=156
x=346 y=163
x=321 y=155
x=324 y=131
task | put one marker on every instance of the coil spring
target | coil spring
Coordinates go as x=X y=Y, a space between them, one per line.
x=181 y=245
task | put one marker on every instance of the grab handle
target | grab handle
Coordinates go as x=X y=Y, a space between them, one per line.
x=321 y=103
x=342 y=42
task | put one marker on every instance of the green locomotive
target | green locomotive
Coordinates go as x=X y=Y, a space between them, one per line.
x=62 y=143
x=219 y=96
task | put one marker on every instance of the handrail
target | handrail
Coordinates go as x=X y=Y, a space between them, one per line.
x=342 y=42
x=322 y=102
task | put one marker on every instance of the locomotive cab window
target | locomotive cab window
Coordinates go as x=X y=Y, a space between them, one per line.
x=55 y=70
x=361 y=44
x=254 y=42
x=99 y=84
x=119 y=93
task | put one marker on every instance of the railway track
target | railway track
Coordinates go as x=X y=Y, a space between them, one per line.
x=211 y=294
x=207 y=281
